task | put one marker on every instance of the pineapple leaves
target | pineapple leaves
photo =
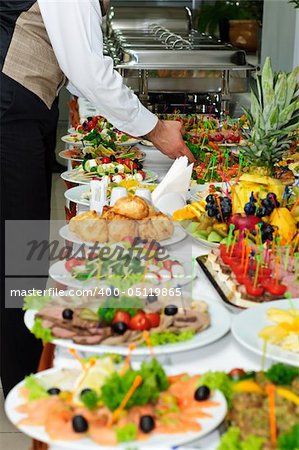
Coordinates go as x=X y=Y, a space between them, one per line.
x=273 y=116
x=287 y=114
x=267 y=88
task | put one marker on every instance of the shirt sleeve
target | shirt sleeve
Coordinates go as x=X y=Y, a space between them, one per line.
x=74 y=30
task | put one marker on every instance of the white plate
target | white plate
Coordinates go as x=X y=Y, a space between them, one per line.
x=64 y=155
x=162 y=441
x=200 y=191
x=178 y=235
x=75 y=194
x=74 y=176
x=59 y=273
x=129 y=142
x=69 y=139
x=146 y=143
x=201 y=241
x=248 y=324
x=220 y=325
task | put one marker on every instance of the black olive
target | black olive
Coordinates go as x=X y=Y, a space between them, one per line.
x=202 y=393
x=54 y=391
x=119 y=327
x=112 y=158
x=152 y=298
x=89 y=119
x=67 y=314
x=146 y=424
x=80 y=424
x=85 y=391
x=139 y=166
x=136 y=160
x=171 y=310
x=115 y=170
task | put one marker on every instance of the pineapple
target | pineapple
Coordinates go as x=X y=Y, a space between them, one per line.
x=273 y=117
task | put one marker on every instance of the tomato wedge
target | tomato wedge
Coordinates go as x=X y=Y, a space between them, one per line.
x=73 y=262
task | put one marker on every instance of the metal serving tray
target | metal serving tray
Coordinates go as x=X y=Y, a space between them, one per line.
x=205 y=59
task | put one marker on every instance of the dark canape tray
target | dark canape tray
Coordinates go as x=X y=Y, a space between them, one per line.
x=201 y=260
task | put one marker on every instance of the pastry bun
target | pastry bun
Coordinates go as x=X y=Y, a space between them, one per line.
x=135 y=207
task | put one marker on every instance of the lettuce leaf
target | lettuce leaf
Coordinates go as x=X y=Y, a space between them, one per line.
x=36 y=302
x=40 y=332
x=168 y=337
x=35 y=388
x=290 y=440
x=220 y=381
x=232 y=440
x=127 y=433
x=154 y=380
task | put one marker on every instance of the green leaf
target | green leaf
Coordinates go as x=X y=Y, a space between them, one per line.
x=292 y=85
x=267 y=84
x=35 y=388
x=127 y=433
x=281 y=91
x=288 y=112
x=40 y=332
x=36 y=302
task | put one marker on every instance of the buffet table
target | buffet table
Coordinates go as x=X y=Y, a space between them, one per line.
x=222 y=355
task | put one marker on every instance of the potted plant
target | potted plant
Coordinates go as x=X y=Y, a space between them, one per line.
x=237 y=21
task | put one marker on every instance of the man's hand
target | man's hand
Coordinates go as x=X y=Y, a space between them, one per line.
x=167 y=137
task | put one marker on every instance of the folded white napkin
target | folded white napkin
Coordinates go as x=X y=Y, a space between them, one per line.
x=177 y=180
x=98 y=194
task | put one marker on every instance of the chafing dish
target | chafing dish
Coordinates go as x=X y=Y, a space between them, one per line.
x=170 y=65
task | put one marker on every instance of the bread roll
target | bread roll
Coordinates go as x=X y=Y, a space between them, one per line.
x=89 y=227
x=131 y=207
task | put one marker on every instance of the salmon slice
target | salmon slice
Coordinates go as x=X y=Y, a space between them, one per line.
x=37 y=410
x=189 y=403
x=177 y=425
x=175 y=378
x=102 y=435
x=59 y=424
x=184 y=388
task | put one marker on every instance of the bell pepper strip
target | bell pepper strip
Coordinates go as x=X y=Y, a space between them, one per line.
x=288 y=395
x=247 y=386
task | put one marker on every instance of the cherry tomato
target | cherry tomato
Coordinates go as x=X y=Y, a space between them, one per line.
x=140 y=322
x=154 y=319
x=218 y=137
x=73 y=262
x=105 y=160
x=128 y=162
x=236 y=373
x=122 y=316
x=120 y=160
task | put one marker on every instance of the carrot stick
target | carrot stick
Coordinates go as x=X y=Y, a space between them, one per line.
x=148 y=342
x=270 y=389
x=127 y=361
x=136 y=383
x=244 y=245
x=247 y=261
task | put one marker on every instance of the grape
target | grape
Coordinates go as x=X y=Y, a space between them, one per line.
x=249 y=209
x=211 y=199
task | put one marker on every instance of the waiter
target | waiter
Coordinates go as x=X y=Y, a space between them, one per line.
x=44 y=45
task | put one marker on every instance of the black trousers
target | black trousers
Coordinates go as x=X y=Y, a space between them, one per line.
x=27 y=144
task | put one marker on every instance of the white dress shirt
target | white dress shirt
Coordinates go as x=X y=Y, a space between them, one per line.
x=74 y=30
